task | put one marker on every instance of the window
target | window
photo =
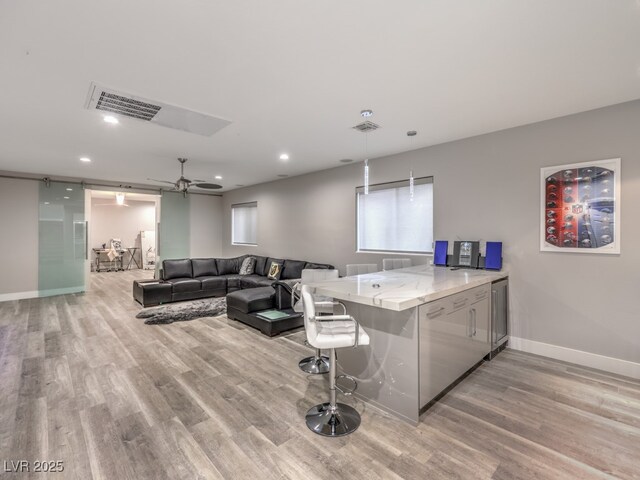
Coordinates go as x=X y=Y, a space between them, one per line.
x=244 y=223
x=388 y=220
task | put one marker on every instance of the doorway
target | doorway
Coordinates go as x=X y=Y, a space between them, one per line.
x=122 y=234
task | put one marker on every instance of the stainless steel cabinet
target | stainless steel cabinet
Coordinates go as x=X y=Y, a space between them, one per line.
x=454 y=336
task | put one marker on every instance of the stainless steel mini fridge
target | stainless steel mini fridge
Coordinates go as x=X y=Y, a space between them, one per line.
x=499 y=316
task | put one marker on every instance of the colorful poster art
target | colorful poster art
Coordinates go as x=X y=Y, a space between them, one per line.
x=580 y=209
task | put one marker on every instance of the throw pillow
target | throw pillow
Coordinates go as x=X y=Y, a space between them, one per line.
x=275 y=270
x=248 y=266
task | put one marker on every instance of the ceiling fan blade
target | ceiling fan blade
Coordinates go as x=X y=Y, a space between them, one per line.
x=208 y=186
x=161 y=181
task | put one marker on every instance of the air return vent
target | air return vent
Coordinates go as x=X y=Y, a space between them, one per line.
x=366 y=126
x=127 y=106
x=171 y=116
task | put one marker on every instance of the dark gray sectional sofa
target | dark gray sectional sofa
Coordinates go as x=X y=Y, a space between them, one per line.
x=193 y=278
x=215 y=277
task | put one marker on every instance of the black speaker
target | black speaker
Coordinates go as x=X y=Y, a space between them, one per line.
x=494 y=256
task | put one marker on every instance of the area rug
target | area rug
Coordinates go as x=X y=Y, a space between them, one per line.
x=178 y=312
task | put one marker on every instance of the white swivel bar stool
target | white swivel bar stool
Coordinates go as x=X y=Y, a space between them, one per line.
x=361 y=268
x=395 y=263
x=317 y=363
x=332 y=419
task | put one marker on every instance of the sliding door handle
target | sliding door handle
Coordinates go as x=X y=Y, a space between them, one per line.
x=86 y=239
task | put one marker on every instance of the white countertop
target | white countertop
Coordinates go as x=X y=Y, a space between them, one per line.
x=406 y=287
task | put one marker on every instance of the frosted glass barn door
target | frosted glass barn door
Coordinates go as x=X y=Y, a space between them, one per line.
x=174 y=228
x=62 y=242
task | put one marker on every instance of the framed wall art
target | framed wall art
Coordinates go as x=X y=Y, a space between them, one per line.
x=580 y=207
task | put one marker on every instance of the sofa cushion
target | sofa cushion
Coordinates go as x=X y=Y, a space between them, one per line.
x=254 y=281
x=233 y=281
x=177 y=269
x=252 y=299
x=204 y=267
x=292 y=269
x=182 y=285
x=275 y=271
x=318 y=265
x=261 y=265
x=248 y=266
x=213 y=283
x=267 y=265
x=229 y=265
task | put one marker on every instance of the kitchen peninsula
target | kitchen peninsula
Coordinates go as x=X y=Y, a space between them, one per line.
x=428 y=326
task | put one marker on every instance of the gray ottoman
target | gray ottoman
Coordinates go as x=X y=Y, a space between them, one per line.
x=245 y=306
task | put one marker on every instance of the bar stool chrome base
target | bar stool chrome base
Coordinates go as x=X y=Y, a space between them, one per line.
x=315 y=365
x=333 y=422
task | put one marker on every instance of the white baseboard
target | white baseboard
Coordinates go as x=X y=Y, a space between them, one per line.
x=592 y=360
x=7 y=297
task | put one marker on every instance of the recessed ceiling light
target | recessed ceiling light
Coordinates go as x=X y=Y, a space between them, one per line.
x=218 y=177
x=85 y=159
x=111 y=119
x=66 y=198
x=283 y=176
x=46 y=203
x=69 y=189
x=366 y=113
x=346 y=160
x=284 y=156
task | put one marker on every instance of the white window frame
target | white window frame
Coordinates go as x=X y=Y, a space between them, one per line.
x=233 y=230
x=389 y=186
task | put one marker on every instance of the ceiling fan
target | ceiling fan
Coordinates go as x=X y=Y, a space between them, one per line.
x=119 y=202
x=183 y=184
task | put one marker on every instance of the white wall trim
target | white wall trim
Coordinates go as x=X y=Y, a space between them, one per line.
x=7 y=297
x=592 y=360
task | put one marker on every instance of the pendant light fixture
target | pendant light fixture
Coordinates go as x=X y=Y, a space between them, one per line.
x=366 y=114
x=411 y=134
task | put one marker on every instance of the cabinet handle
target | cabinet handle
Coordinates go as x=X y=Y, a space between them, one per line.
x=469 y=327
x=459 y=303
x=435 y=313
x=481 y=294
x=475 y=321
x=494 y=309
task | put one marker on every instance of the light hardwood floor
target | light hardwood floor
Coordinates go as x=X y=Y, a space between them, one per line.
x=85 y=382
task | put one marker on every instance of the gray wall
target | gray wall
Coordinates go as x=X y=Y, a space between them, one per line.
x=205 y=221
x=487 y=188
x=18 y=236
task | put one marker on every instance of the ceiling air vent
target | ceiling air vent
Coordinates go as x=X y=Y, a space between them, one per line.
x=127 y=106
x=133 y=106
x=367 y=126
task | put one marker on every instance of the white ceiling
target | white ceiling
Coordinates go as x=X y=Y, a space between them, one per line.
x=293 y=75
